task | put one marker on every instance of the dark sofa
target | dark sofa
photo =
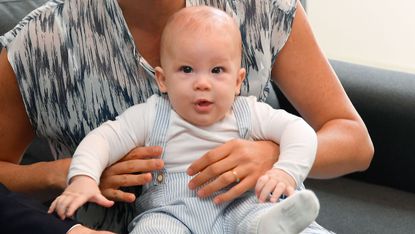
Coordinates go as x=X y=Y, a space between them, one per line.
x=379 y=200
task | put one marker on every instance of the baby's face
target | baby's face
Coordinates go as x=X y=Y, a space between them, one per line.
x=202 y=75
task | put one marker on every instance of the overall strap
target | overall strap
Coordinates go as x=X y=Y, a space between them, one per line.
x=242 y=114
x=158 y=133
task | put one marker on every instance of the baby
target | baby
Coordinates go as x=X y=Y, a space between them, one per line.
x=199 y=108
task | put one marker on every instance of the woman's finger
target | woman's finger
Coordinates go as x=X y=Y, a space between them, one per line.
x=219 y=183
x=236 y=191
x=125 y=180
x=126 y=173
x=210 y=158
x=133 y=166
x=110 y=189
x=118 y=195
x=215 y=170
x=147 y=152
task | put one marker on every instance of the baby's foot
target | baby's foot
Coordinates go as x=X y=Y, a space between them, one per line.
x=291 y=215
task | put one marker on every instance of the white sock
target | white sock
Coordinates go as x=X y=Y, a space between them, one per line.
x=291 y=215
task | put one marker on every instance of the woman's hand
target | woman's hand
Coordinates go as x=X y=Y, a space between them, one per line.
x=132 y=170
x=239 y=161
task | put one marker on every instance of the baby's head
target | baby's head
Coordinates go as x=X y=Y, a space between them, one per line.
x=201 y=64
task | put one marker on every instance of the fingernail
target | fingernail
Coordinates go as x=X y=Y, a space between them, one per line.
x=216 y=201
x=189 y=171
x=156 y=150
x=201 y=193
x=191 y=185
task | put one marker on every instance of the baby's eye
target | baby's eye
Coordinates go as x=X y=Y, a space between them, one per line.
x=186 y=69
x=217 y=70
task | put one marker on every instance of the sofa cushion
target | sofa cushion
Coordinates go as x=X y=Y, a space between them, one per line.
x=12 y=11
x=350 y=206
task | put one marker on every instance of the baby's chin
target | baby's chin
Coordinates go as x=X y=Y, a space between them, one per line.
x=204 y=121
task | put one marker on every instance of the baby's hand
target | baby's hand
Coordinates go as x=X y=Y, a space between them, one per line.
x=81 y=190
x=273 y=184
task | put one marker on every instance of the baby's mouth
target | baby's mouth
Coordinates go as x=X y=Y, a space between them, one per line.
x=203 y=105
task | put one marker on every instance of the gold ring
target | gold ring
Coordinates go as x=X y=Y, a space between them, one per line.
x=236 y=176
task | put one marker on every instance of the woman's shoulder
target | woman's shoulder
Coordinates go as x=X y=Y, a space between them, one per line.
x=251 y=8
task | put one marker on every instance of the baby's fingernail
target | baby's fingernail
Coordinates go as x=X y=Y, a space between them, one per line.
x=189 y=171
x=191 y=185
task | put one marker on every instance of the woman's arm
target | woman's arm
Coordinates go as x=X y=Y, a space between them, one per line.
x=45 y=180
x=16 y=133
x=306 y=78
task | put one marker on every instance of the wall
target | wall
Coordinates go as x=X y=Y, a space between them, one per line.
x=378 y=33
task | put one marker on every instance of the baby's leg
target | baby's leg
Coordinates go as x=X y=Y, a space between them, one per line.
x=159 y=223
x=291 y=215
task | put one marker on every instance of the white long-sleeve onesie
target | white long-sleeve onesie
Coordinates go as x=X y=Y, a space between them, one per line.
x=185 y=142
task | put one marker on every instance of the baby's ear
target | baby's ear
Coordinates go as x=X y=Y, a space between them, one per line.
x=239 y=80
x=161 y=79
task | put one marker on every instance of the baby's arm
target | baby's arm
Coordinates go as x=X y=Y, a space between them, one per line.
x=99 y=149
x=298 y=146
x=110 y=142
x=81 y=189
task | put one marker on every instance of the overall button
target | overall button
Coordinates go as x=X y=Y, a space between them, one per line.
x=160 y=178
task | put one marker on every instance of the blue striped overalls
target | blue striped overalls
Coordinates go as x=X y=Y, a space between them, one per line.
x=171 y=207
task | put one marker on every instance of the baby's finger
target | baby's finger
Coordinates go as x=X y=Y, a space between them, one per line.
x=62 y=206
x=61 y=210
x=290 y=191
x=278 y=191
x=260 y=184
x=268 y=188
x=102 y=201
x=74 y=205
x=52 y=206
